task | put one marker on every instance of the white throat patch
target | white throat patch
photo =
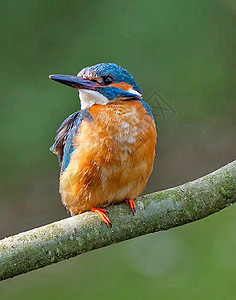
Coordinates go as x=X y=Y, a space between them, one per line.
x=88 y=98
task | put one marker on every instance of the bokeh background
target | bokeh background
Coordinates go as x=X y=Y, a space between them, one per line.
x=184 y=50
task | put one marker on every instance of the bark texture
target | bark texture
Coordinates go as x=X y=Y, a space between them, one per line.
x=162 y=210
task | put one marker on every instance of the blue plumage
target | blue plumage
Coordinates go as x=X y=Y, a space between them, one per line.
x=114 y=92
x=63 y=145
x=110 y=69
x=147 y=107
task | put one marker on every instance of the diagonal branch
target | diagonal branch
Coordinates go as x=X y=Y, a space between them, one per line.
x=162 y=210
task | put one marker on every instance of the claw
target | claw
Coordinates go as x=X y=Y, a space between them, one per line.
x=131 y=204
x=102 y=214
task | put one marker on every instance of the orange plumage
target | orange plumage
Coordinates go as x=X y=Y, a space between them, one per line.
x=112 y=159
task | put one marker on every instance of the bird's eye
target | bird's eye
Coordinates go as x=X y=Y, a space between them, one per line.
x=107 y=80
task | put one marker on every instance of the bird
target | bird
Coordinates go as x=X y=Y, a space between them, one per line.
x=106 y=150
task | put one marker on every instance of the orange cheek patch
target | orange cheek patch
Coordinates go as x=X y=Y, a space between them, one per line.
x=122 y=85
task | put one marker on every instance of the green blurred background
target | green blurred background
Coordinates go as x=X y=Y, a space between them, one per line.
x=184 y=50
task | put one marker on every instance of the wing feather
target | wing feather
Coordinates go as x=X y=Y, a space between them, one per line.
x=63 y=145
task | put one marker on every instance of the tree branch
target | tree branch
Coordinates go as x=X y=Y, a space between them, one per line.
x=162 y=210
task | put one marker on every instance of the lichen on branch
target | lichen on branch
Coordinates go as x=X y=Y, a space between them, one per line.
x=162 y=210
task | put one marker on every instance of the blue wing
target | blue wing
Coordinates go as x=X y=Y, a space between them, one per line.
x=63 y=146
x=147 y=107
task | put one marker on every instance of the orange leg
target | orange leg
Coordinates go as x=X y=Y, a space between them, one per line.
x=131 y=204
x=102 y=214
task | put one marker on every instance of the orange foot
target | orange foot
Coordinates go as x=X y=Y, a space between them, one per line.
x=102 y=213
x=131 y=204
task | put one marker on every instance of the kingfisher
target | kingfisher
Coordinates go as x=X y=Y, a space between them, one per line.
x=106 y=150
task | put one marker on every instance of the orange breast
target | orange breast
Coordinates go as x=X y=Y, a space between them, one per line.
x=112 y=159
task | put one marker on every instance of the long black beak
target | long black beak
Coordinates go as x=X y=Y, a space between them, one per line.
x=75 y=82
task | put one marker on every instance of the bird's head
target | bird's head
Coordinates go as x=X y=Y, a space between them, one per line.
x=101 y=84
